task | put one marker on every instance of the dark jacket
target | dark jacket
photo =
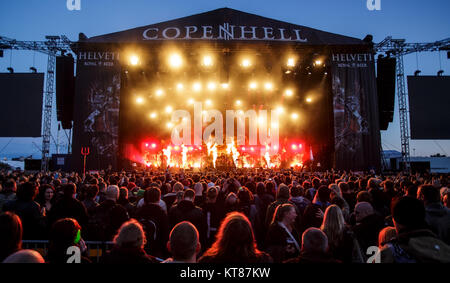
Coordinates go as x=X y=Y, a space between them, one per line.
x=106 y=221
x=186 y=211
x=366 y=232
x=29 y=213
x=90 y=205
x=418 y=246
x=310 y=218
x=438 y=218
x=156 y=226
x=277 y=242
x=128 y=256
x=271 y=210
x=213 y=213
x=69 y=208
x=347 y=249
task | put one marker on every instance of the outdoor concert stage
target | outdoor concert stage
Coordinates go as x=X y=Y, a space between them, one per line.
x=300 y=96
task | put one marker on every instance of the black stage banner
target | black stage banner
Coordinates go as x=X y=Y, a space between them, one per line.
x=356 y=124
x=96 y=114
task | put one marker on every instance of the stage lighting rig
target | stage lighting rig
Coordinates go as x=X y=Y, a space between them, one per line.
x=175 y=61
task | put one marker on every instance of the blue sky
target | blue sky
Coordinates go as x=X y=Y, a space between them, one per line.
x=414 y=20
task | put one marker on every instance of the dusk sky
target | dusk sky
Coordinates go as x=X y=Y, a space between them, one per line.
x=413 y=20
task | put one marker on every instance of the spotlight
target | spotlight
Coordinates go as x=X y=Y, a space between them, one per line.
x=268 y=86
x=159 y=92
x=280 y=110
x=294 y=116
x=260 y=120
x=238 y=103
x=289 y=92
x=294 y=147
x=290 y=62
x=139 y=100
x=191 y=101
x=275 y=147
x=440 y=72
x=169 y=125
x=246 y=63
x=417 y=72
x=153 y=145
x=225 y=85
x=207 y=61
x=211 y=86
x=176 y=147
x=175 y=61
x=153 y=115
x=197 y=86
x=318 y=62
x=243 y=148
x=33 y=69
x=253 y=85
x=208 y=102
x=180 y=86
x=134 y=60
x=309 y=99
x=169 y=109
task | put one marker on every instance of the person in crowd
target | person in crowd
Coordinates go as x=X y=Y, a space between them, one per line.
x=8 y=192
x=348 y=194
x=129 y=246
x=46 y=198
x=343 y=245
x=313 y=215
x=25 y=256
x=235 y=243
x=446 y=200
x=155 y=222
x=90 y=201
x=368 y=226
x=185 y=210
x=28 y=210
x=247 y=206
x=282 y=198
x=184 y=243
x=66 y=233
x=214 y=212
x=108 y=216
x=69 y=207
x=282 y=241
x=199 y=199
x=124 y=201
x=436 y=215
x=314 y=248
x=10 y=234
x=297 y=198
x=386 y=235
x=175 y=196
x=415 y=243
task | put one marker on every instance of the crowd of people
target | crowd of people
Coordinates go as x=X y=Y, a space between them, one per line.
x=248 y=216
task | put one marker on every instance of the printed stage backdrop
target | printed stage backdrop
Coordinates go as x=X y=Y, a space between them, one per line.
x=356 y=125
x=96 y=109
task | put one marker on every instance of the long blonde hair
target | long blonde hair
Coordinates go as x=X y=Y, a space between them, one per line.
x=333 y=224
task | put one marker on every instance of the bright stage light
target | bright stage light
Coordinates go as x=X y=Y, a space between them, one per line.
x=191 y=101
x=180 y=86
x=246 y=63
x=169 y=109
x=153 y=115
x=208 y=102
x=207 y=61
x=294 y=147
x=243 y=148
x=309 y=99
x=197 y=86
x=290 y=62
x=139 y=100
x=289 y=92
x=318 y=62
x=240 y=112
x=300 y=146
x=260 y=120
x=175 y=60
x=274 y=125
x=211 y=86
x=253 y=85
x=225 y=86
x=169 y=125
x=280 y=110
x=294 y=116
x=153 y=145
x=134 y=60
x=275 y=147
x=268 y=86
x=238 y=103
x=176 y=147
x=159 y=92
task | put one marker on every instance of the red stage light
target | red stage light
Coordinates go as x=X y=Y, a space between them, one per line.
x=294 y=147
x=300 y=146
x=146 y=145
x=153 y=145
x=243 y=149
x=252 y=149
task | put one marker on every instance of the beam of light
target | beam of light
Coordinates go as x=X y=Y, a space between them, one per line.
x=134 y=60
x=175 y=60
x=309 y=99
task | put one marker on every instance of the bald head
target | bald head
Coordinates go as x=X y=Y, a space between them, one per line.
x=314 y=240
x=184 y=241
x=25 y=256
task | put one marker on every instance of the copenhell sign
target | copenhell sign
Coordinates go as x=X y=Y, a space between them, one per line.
x=224 y=32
